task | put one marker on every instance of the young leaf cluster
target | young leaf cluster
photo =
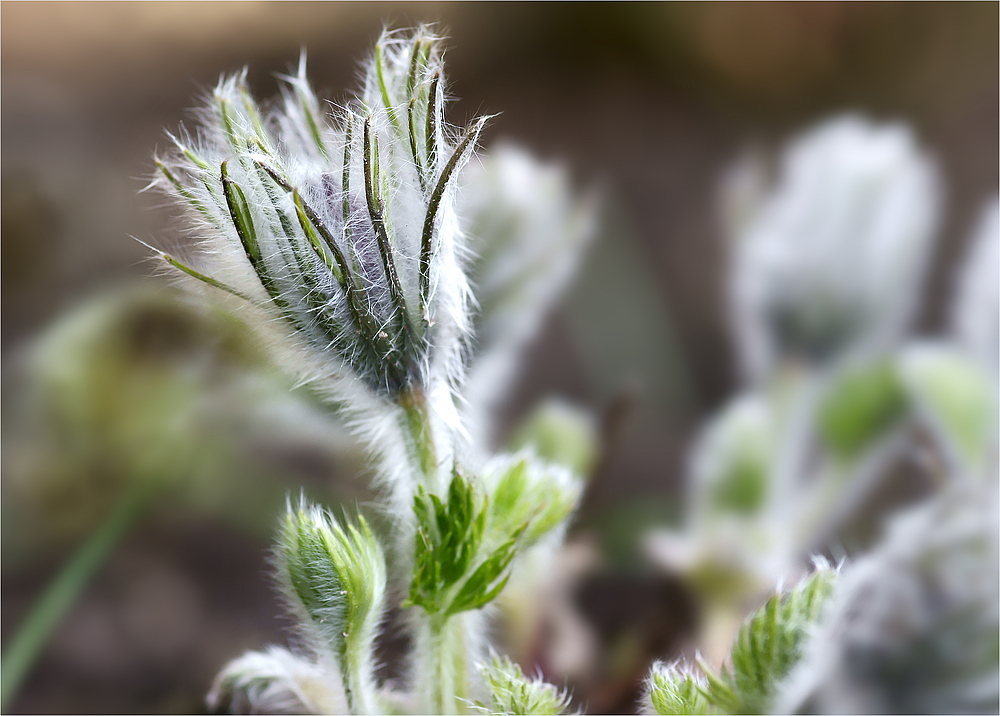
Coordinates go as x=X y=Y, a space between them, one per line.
x=514 y=694
x=448 y=544
x=769 y=645
x=676 y=690
x=527 y=491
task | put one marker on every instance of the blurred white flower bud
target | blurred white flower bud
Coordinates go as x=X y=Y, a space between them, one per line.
x=275 y=681
x=913 y=627
x=831 y=262
x=733 y=460
x=976 y=308
x=527 y=230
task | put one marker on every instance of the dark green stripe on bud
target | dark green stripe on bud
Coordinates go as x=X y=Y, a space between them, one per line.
x=239 y=212
x=457 y=159
x=318 y=246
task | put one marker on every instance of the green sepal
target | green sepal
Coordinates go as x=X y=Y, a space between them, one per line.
x=239 y=213
x=862 y=404
x=314 y=240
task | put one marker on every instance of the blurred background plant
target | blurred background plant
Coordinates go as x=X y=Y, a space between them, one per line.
x=843 y=423
x=642 y=336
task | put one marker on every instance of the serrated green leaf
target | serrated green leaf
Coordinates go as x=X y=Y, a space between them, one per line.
x=514 y=694
x=768 y=645
x=448 y=542
x=676 y=690
x=481 y=587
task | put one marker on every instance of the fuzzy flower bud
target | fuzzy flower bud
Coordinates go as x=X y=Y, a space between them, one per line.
x=913 y=626
x=527 y=491
x=345 y=228
x=334 y=580
x=976 y=308
x=562 y=434
x=956 y=397
x=274 y=681
x=733 y=459
x=831 y=261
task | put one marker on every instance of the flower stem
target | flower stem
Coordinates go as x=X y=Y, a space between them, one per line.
x=359 y=684
x=446 y=676
x=421 y=432
x=63 y=591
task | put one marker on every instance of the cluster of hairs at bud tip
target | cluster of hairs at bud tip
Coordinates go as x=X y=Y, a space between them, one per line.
x=513 y=692
x=341 y=227
x=674 y=688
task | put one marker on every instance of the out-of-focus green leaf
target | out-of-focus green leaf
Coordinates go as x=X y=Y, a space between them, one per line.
x=861 y=405
x=957 y=398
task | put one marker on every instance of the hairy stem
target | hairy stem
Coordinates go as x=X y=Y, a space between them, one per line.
x=359 y=682
x=421 y=433
x=63 y=591
x=445 y=673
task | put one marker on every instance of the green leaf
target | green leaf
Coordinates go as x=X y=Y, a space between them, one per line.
x=959 y=400
x=676 y=690
x=514 y=694
x=450 y=575
x=483 y=586
x=860 y=407
x=768 y=645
